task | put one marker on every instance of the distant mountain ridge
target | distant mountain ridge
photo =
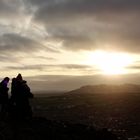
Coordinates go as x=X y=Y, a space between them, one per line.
x=124 y=88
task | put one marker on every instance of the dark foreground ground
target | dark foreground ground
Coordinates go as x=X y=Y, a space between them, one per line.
x=118 y=112
x=43 y=129
x=78 y=117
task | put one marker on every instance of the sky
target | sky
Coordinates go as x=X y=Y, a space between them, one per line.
x=64 y=44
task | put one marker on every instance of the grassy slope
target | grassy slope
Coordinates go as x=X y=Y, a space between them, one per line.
x=119 y=112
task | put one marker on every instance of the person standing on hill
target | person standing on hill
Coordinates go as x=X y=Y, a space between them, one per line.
x=20 y=94
x=4 y=95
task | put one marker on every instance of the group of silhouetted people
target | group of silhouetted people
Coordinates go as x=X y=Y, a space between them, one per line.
x=17 y=105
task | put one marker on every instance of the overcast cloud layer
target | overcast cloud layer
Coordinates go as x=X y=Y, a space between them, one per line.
x=43 y=36
x=88 y=24
x=79 y=24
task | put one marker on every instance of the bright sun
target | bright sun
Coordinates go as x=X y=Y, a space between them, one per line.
x=109 y=62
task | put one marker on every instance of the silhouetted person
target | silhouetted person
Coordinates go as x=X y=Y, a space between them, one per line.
x=12 y=101
x=13 y=84
x=4 y=95
x=20 y=94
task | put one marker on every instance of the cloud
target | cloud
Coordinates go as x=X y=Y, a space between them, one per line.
x=44 y=67
x=71 y=11
x=67 y=82
x=91 y=24
x=135 y=67
x=14 y=43
x=5 y=58
x=46 y=58
x=57 y=82
x=75 y=42
x=13 y=11
x=7 y=9
x=80 y=24
x=68 y=7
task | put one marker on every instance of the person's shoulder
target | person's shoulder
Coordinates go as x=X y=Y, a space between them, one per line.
x=1 y=84
x=23 y=81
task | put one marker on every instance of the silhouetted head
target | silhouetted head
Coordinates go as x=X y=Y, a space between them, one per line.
x=13 y=80
x=5 y=80
x=19 y=77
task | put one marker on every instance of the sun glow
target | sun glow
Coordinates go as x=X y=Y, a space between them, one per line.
x=110 y=62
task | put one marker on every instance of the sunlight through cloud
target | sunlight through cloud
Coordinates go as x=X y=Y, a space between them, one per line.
x=110 y=62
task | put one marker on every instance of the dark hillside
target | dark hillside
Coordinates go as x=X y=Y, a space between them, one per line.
x=117 y=111
x=125 y=88
x=43 y=129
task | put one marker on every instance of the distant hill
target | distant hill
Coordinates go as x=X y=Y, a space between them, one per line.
x=89 y=89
